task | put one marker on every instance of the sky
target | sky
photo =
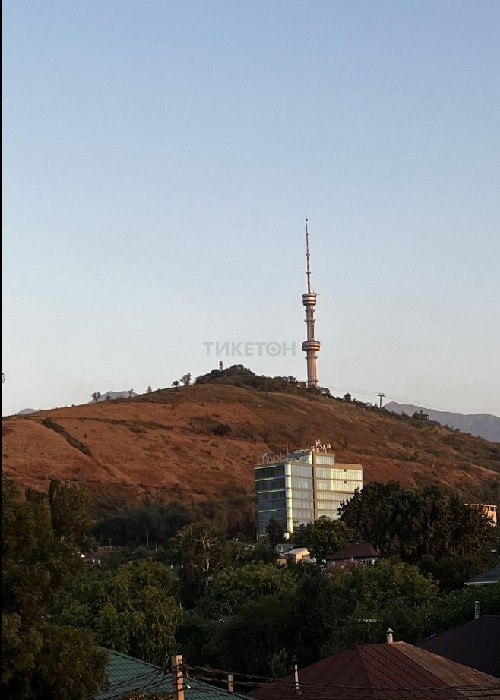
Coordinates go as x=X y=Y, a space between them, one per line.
x=160 y=158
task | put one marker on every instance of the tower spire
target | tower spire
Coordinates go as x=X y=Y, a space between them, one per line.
x=310 y=346
x=308 y=268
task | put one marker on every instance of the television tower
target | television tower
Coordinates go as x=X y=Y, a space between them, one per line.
x=310 y=346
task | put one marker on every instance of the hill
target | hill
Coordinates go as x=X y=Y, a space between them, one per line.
x=479 y=424
x=190 y=442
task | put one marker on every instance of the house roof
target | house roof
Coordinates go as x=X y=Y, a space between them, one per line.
x=358 y=550
x=485 y=578
x=297 y=550
x=475 y=643
x=386 y=672
x=127 y=675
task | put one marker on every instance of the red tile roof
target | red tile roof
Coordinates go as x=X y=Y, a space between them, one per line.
x=396 y=671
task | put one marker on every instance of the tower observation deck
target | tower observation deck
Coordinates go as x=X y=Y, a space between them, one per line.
x=310 y=346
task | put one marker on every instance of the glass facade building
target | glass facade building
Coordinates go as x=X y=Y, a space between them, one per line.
x=303 y=486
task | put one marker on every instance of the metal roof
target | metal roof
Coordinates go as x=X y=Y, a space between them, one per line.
x=127 y=675
x=486 y=578
x=475 y=643
x=396 y=671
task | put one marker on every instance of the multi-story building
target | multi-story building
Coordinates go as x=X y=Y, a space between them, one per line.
x=489 y=510
x=299 y=487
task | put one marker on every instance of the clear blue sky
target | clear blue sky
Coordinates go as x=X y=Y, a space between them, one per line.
x=159 y=160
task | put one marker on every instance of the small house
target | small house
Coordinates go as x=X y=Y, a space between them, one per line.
x=357 y=554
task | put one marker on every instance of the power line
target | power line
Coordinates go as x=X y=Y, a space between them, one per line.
x=288 y=683
x=148 y=682
x=367 y=392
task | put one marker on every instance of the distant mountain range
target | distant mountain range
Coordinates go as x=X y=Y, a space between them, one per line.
x=480 y=424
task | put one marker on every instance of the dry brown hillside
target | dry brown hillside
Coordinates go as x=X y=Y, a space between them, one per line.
x=189 y=442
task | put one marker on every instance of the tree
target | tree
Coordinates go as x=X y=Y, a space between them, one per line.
x=176 y=383
x=69 y=506
x=328 y=536
x=387 y=582
x=364 y=512
x=96 y=395
x=38 y=567
x=233 y=512
x=148 y=390
x=274 y=532
x=324 y=536
x=147 y=523
x=452 y=609
x=201 y=552
x=186 y=379
x=75 y=652
x=280 y=664
x=420 y=415
x=309 y=615
x=248 y=642
x=133 y=610
x=232 y=588
x=361 y=605
x=420 y=525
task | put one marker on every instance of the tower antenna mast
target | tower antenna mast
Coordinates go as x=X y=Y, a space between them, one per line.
x=310 y=346
x=308 y=255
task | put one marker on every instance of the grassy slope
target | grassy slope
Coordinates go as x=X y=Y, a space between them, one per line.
x=163 y=444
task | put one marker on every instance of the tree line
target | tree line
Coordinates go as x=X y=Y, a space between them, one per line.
x=219 y=599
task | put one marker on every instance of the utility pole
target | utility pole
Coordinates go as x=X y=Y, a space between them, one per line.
x=178 y=677
x=380 y=396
